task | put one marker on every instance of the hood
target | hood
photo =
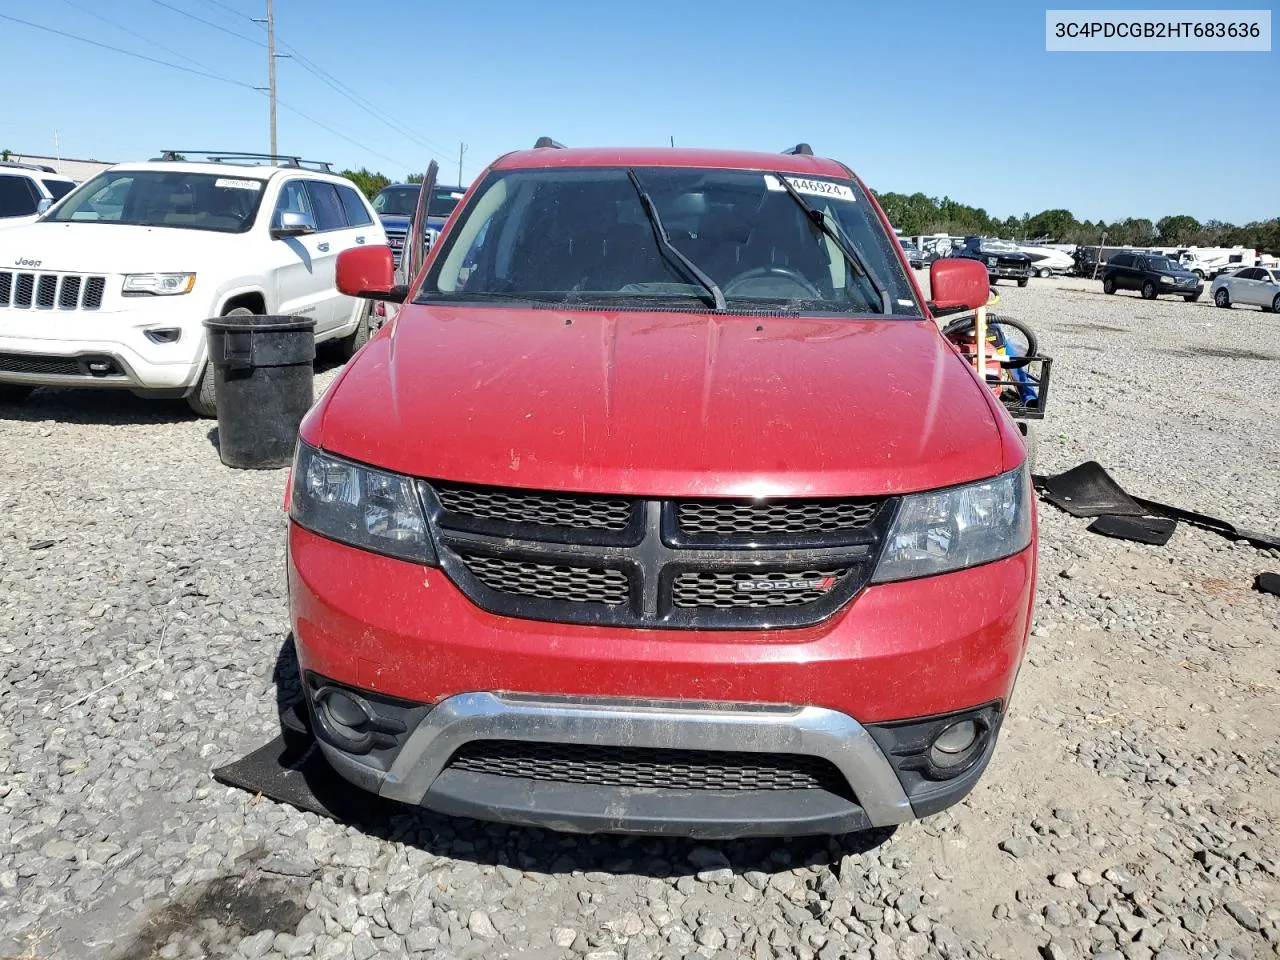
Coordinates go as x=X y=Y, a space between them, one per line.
x=112 y=248
x=390 y=222
x=662 y=404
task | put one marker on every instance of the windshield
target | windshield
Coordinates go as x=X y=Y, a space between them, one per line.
x=403 y=201
x=164 y=198
x=58 y=188
x=1163 y=264
x=582 y=236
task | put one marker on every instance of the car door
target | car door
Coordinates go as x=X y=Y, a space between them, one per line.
x=1127 y=275
x=331 y=231
x=362 y=229
x=1255 y=286
x=300 y=288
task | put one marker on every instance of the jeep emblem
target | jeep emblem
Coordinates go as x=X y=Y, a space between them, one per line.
x=24 y=262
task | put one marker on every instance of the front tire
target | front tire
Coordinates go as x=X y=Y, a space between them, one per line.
x=1148 y=291
x=348 y=346
x=1108 y=285
x=1044 y=273
x=14 y=392
x=1275 y=304
x=203 y=400
x=1023 y=281
x=1191 y=297
x=1222 y=298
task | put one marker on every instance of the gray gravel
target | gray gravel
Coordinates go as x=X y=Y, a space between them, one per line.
x=1131 y=811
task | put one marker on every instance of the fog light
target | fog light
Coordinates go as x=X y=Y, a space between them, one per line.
x=951 y=747
x=344 y=712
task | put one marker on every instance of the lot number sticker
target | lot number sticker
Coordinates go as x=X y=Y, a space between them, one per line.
x=816 y=188
x=228 y=184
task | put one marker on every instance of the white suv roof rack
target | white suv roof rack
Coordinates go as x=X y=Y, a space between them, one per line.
x=220 y=156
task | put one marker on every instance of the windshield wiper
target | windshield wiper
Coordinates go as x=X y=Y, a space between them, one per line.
x=832 y=229
x=686 y=266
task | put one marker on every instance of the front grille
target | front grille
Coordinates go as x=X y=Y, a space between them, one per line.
x=763 y=518
x=34 y=363
x=726 y=590
x=541 y=509
x=47 y=291
x=676 y=564
x=649 y=768
x=550 y=581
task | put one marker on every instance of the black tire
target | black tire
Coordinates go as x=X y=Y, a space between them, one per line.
x=1044 y=273
x=993 y=280
x=1108 y=284
x=348 y=346
x=1222 y=298
x=1148 y=291
x=1275 y=304
x=203 y=400
x=1023 y=281
x=14 y=392
x=1191 y=297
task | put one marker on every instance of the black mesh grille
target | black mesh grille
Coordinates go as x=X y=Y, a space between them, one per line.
x=740 y=589
x=6 y=287
x=46 y=291
x=535 y=507
x=648 y=768
x=57 y=366
x=93 y=292
x=69 y=295
x=24 y=289
x=741 y=518
x=550 y=581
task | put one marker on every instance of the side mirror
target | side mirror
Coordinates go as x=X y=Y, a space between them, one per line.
x=293 y=224
x=959 y=283
x=368 y=272
x=44 y=204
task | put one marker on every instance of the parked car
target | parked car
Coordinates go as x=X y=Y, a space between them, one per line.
x=915 y=257
x=1003 y=260
x=1259 y=286
x=653 y=510
x=27 y=190
x=1152 y=274
x=111 y=287
x=1047 y=261
x=396 y=204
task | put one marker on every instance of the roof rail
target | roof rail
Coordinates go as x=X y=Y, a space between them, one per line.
x=799 y=150
x=542 y=142
x=274 y=159
x=15 y=165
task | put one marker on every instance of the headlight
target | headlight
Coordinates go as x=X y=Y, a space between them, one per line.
x=359 y=506
x=1166 y=279
x=959 y=527
x=158 y=284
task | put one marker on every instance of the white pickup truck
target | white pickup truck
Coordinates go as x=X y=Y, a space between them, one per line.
x=110 y=288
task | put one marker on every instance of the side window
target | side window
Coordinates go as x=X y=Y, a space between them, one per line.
x=327 y=205
x=1251 y=275
x=293 y=199
x=18 y=197
x=58 y=188
x=1140 y=263
x=357 y=213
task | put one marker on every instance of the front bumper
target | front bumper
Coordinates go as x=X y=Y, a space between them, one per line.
x=401 y=634
x=1164 y=289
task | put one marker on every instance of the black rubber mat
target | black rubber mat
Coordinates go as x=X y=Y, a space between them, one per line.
x=291 y=769
x=1088 y=491
x=1153 y=530
x=1268 y=583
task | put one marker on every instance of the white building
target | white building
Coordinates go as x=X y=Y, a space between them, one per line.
x=77 y=170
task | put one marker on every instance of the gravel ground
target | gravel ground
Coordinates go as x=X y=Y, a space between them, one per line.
x=1131 y=810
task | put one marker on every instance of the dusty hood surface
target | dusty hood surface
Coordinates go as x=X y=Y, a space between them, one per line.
x=112 y=248
x=662 y=403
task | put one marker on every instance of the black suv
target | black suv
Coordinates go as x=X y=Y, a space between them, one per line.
x=1152 y=274
x=1002 y=260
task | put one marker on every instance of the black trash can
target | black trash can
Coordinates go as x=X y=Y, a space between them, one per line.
x=263 y=373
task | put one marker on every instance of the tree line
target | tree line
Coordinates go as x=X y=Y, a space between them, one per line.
x=916 y=214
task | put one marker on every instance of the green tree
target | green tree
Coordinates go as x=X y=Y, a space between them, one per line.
x=5 y=154
x=413 y=178
x=1054 y=224
x=369 y=183
x=1177 y=230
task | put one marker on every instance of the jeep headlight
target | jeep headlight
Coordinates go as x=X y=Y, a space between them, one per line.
x=158 y=284
x=945 y=530
x=359 y=506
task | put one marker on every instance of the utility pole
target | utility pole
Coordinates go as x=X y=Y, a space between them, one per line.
x=462 y=148
x=271 y=71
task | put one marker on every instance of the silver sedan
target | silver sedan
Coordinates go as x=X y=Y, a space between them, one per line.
x=1259 y=286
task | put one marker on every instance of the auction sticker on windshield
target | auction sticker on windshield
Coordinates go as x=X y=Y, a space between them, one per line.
x=817 y=188
x=229 y=184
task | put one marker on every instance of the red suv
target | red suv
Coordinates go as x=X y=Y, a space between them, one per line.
x=662 y=506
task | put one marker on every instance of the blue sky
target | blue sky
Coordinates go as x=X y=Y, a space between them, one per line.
x=955 y=99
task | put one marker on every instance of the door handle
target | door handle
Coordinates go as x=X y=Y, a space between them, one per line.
x=359 y=239
x=323 y=247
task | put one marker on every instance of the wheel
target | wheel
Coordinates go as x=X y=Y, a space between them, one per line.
x=1199 y=273
x=1044 y=273
x=1191 y=297
x=1108 y=284
x=1275 y=304
x=1222 y=298
x=347 y=347
x=993 y=280
x=203 y=401
x=14 y=392
x=1148 y=291
x=1023 y=281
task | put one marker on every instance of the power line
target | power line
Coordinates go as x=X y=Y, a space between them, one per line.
x=207 y=23
x=134 y=34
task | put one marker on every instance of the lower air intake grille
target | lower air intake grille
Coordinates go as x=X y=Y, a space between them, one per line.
x=550 y=581
x=54 y=366
x=724 y=590
x=649 y=768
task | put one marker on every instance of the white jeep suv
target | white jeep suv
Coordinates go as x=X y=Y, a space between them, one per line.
x=111 y=286
x=27 y=190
